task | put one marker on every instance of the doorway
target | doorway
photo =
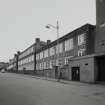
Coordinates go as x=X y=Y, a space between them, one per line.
x=101 y=68
x=56 y=72
x=75 y=73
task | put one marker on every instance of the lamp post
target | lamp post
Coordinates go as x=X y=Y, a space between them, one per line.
x=57 y=33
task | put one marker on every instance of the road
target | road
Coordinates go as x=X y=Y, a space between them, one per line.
x=16 y=89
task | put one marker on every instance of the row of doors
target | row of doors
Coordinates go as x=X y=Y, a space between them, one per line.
x=75 y=73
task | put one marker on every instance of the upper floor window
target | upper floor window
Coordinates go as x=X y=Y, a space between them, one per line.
x=47 y=64
x=37 y=66
x=28 y=51
x=81 y=39
x=40 y=66
x=59 y=48
x=69 y=44
x=19 y=63
x=37 y=56
x=67 y=59
x=50 y=64
x=52 y=51
x=46 y=53
x=31 y=58
x=44 y=65
x=41 y=55
x=81 y=52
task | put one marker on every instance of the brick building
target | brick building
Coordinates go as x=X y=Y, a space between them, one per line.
x=53 y=59
x=3 y=65
x=91 y=68
x=79 y=55
x=26 y=59
x=100 y=40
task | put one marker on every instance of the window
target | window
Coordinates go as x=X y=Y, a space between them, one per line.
x=37 y=66
x=69 y=44
x=27 y=60
x=50 y=64
x=37 y=56
x=41 y=55
x=67 y=59
x=19 y=63
x=32 y=57
x=47 y=65
x=40 y=66
x=56 y=62
x=44 y=65
x=52 y=51
x=46 y=53
x=60 y=62
x=59 y=48
x=81 y=39
x=81 y=52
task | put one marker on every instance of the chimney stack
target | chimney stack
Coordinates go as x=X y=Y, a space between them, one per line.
x=48 y=41
x=37 y=40
x=18 y=52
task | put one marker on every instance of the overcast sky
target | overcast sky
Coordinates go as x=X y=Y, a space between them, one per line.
x=21 y=21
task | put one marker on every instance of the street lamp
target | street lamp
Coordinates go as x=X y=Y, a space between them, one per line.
x=57 y=32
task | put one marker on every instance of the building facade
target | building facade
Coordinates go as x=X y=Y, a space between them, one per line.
x=26 y=59
x=11 y=66
x=100 y=40
x=65 y=59
x=91 y=68
x=100 y=26
x=53 y=59
x=77 y=56
x=24 y=62
x=3 y=65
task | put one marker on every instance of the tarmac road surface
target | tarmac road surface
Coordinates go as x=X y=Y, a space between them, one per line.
x=16 y=89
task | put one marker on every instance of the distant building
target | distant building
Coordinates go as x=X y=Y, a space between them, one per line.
x=11 y=65
x=26 y=59
x=3 y=65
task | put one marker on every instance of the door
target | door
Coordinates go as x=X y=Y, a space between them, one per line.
x=76 y=73
x=56 y=72
x=101 y=69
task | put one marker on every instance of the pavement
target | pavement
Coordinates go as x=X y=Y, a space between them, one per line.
x=64 y=81
x=18 y=89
